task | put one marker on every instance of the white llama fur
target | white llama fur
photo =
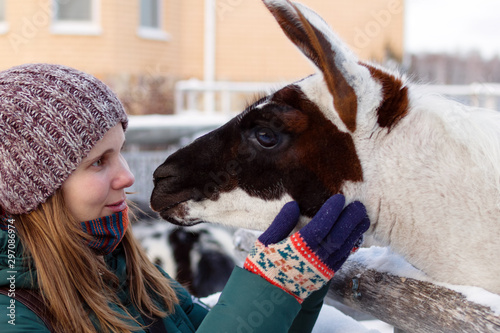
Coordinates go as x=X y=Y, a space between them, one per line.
x=431 y=190
x=432 y=183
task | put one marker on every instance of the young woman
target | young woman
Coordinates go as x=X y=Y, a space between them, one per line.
x=64 y=236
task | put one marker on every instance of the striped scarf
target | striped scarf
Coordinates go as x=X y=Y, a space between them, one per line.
x=107 y=231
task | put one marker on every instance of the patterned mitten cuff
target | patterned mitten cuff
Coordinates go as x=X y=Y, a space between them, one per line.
x=289 y=265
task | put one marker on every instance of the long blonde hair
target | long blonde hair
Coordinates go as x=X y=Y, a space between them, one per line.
x=76 y=283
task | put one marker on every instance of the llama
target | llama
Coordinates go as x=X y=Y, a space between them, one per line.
x=426 y=168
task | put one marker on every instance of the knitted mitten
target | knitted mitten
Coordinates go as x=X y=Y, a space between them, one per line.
x=307 y=260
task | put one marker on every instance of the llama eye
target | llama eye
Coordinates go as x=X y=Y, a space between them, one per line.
x=266 y=137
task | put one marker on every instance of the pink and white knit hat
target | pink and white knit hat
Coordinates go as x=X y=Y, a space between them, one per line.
x=50 y=118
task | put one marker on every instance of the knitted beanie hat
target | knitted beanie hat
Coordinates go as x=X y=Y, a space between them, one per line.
x=51 y=116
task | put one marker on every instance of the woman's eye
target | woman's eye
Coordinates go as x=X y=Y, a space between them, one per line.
x=97 y=163
x=266 y=137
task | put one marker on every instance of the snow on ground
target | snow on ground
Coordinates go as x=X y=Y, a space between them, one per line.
x=173 y=129
x=331 y=320
x=172 y=120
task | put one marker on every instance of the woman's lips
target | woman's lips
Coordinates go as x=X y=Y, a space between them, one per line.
x=117 y=206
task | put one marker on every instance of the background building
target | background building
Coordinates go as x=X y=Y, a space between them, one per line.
x=142 y=47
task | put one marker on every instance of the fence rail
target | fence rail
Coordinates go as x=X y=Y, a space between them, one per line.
x=231 y=97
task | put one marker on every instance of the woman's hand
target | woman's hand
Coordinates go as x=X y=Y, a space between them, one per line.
x=306 y=261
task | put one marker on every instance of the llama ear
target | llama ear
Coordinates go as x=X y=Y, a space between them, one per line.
x=312 y=35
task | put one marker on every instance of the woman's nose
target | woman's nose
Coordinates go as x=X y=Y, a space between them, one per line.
x=123 y=178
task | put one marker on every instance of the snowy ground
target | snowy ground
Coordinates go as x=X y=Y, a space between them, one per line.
x=332 y=320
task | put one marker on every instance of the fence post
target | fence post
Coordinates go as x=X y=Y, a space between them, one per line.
x=226 y=102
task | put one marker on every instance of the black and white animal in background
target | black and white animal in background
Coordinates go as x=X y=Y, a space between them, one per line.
x=200 y=258
x=427 y=168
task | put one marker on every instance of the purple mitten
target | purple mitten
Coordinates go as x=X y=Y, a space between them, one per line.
x=307 y=260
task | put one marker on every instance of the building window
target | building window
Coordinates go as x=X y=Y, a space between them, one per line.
x=4 y=27
x=2 y=10
x=150 y=14
x=151 y=20
x=76 y=17
x=79 y=10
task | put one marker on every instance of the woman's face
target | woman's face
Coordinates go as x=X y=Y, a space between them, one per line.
x=97 y=187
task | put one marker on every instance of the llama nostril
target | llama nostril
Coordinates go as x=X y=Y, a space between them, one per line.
x=156 y=177
x=164 y=171
x=156 y=180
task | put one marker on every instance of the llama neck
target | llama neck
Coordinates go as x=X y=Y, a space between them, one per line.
x=434 y=155
x=393 y=162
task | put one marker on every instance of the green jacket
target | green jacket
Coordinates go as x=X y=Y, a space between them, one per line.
x=247 y=304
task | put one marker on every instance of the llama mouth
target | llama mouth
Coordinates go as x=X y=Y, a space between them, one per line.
x=177 y=214
x=167 y=206
x=173 y=205
x=175 y=209
x=164 y=199
x=181 y=223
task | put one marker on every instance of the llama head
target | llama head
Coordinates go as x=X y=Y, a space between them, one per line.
x=295 y=144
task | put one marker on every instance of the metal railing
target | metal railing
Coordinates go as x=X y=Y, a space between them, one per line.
x=485 y=95
x=232 y=97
